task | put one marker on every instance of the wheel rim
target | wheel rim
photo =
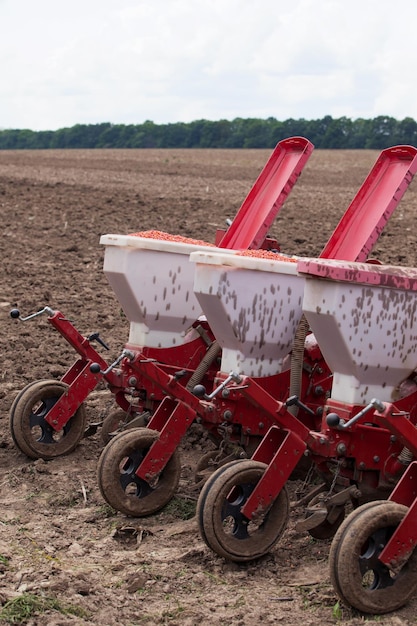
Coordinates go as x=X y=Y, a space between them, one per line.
x=201 y=502
x=117 y=479
x=234 y=522
x=130 y=482
x=375 y=575
x=38 y=424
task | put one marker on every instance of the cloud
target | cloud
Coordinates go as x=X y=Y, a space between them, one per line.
x=127 y=61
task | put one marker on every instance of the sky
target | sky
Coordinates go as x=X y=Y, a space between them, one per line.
x=67 y=62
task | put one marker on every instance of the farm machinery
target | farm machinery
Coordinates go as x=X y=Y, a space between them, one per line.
x=253 y=306
x=306 y=360
x=359 y=436
x=364 y=449
x=48 y=417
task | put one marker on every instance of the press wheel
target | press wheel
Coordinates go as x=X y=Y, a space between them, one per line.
x=223 y=527
x=357 y=575
x=31 y=432
x=116 y=474
x=13 y=409
x=204 y=493
x=333 y=554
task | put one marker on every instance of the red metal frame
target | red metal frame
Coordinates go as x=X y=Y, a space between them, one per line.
x=286 y=441
x=82 y=380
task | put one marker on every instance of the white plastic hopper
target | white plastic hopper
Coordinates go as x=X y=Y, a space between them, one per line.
x=153 y=281
x=364 y=317
x=253 y=306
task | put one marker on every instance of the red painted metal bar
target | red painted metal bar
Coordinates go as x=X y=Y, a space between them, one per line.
x=66 y=406
x=268 y=194
x=162 y=413
x=405 y=491
x=373 y=205
x=80 y=343
x=404 y=540
x=259 y=397
x=180 y=419
x=399 y=424
x=75 y=369
x=80 y=379
x=287 y=451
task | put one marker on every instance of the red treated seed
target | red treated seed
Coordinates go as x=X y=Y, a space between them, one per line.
x=162 y=236
x=267 y=254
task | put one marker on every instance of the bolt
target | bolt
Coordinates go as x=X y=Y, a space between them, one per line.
x=341 y=448
x=393 y=439
x=261 y=425
x=228 y=414
x=225 y=392
x=132 y=381
x=362 y=465
x=376 y=459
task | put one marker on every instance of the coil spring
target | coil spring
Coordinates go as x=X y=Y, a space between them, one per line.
x=406 y=456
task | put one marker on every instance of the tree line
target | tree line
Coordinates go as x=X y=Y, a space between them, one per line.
x=326 y=133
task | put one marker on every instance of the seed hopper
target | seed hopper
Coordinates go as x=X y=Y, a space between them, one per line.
x=48 y=417
x=254 y=308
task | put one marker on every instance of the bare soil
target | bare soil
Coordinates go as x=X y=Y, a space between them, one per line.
x=58 y=537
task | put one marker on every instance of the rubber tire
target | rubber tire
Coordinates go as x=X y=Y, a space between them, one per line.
x=346 y=557
x=333 y=554
x=205 y=490
x=211 y=513
x=131 y=446
x=23 y=419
